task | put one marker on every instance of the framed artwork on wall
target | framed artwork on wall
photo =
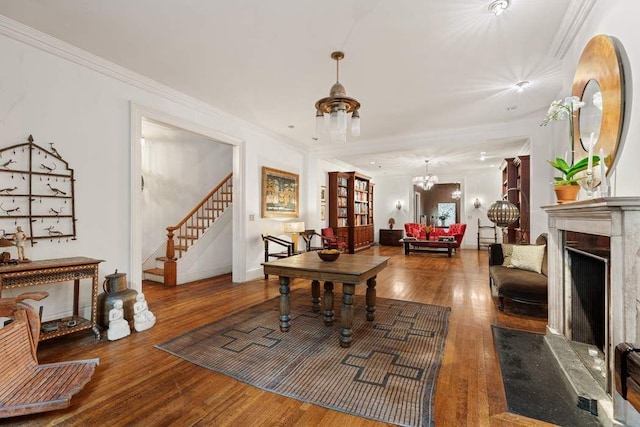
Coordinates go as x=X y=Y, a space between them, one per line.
x=279 y=193
x=323 y=193
x=323 y=212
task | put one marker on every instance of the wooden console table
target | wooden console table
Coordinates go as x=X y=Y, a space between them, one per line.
x=43 y=272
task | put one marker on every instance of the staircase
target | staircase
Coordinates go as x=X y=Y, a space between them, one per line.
x=188 y=231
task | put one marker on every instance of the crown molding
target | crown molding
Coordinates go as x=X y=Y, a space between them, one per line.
x=39 y=40
x=573 y=19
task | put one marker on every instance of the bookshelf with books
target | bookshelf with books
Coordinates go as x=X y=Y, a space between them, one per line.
x=351 y=208
x=515 y=189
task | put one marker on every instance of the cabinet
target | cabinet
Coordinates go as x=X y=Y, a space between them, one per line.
x=351 y=209
x=391 y=237
x=43 y=272
x=515 y=189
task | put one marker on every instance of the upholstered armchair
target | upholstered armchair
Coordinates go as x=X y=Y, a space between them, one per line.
x=331 y=241
x=419 y=231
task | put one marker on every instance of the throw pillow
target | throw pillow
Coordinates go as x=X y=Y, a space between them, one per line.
x=506 y=254
x=528 y=257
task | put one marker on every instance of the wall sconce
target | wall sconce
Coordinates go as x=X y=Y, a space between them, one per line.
x=477 y=203
x=398 y=205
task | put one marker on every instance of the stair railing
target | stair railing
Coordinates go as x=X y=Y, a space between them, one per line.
x=193 y=226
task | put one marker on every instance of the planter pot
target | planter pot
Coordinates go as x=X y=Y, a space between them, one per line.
x=566 y=193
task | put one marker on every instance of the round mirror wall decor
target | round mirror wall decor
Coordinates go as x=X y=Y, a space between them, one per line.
x=599 y=83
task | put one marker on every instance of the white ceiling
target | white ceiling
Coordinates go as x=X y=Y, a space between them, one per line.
x=422 y=69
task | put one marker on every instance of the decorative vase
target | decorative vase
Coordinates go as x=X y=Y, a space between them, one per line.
x=115 y=288
x=566 y=193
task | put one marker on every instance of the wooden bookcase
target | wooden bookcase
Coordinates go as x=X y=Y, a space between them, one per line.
x=515 y=174
x=351 y=209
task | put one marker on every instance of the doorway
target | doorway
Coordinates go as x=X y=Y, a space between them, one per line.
x=140 y=115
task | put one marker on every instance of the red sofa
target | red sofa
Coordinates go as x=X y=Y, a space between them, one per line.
x=419 y=231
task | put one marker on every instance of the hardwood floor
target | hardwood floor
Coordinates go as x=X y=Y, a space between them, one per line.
x=136 y=384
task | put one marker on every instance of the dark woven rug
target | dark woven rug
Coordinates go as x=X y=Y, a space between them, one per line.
x=387 y=374
x=533 y=381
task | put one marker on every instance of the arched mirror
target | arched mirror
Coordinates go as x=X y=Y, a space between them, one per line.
x=591 y=114
x=599 y=83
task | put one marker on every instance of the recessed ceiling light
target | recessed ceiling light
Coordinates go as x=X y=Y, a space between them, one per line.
x=291 y=126
x=315 y=138
x=372 y=162
x=498 y=6
x=512 y=108
x=521 y=85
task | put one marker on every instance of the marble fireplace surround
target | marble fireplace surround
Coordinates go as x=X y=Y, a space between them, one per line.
x=618 y=218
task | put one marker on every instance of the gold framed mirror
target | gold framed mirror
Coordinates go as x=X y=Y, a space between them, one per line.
x=599 y=83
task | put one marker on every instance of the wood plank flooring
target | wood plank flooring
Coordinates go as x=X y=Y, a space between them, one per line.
x=138 y=385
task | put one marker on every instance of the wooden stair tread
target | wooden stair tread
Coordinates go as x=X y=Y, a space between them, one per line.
x=156 y=271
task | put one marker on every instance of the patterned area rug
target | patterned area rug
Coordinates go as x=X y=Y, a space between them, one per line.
x=388 y=373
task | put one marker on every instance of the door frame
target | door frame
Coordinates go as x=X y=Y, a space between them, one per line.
x=140 y=113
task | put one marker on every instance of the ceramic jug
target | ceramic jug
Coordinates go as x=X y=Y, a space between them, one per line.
x=115 y=287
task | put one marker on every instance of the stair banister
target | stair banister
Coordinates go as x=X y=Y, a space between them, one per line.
x=201 y=214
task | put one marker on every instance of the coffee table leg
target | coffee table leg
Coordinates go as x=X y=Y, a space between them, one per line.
x=406 y=248
x=285 y=304
x=449 y=247
x=371 y=298
x=328 y=303
x=347 y=314
x=315 y=295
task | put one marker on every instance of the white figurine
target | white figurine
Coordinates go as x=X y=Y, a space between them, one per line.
x=118 y=326
x=21 y=240
x=143 y=319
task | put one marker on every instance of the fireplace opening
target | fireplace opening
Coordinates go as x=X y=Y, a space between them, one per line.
x=588 y=297
x=588 y=315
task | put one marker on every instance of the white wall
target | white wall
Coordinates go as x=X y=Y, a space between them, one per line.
x=617 y=19
x=179 y=170
x=83 y=104
x=387 y=191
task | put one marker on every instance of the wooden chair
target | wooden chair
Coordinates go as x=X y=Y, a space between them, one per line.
x=331 y=241
x=25 y=386
x=266 y=238
x=307 y=235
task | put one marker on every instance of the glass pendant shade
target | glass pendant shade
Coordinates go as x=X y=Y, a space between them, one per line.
x=355 y=124
x=502 y=213
x=332 y=112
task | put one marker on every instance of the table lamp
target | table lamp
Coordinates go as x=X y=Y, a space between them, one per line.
x=294 y=228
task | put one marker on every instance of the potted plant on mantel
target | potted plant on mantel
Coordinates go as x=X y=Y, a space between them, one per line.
x=567 y=187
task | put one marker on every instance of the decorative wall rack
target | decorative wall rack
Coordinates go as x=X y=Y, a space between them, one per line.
x=36 y=193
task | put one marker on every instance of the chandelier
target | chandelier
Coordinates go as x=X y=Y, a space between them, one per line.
x=337 y=106
x=428 y=180
x=456 y=194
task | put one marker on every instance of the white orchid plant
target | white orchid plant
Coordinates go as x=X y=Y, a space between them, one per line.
x=562 y=109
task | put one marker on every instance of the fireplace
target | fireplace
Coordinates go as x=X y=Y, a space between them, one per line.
x=594 y=262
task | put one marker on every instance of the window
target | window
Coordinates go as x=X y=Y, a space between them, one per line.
x=446 y=214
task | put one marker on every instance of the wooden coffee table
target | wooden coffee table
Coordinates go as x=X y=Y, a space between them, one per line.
x=417 y=245
x=348 y=269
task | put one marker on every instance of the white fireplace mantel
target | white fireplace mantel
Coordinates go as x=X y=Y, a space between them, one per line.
x=619 y=219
